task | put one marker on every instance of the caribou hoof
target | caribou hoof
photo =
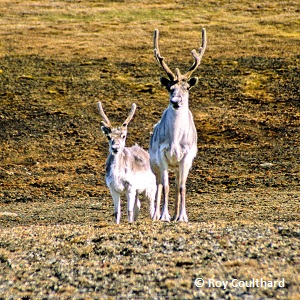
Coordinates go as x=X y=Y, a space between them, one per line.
x=165 y=217
x=155 y=217
x=183 y=218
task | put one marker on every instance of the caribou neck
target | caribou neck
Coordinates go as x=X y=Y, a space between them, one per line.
x=180 y=113
x=180 y=125
x=115 y=161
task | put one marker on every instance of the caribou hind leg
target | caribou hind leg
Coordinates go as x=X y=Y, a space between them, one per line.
x=136 y=208
x=150 y=194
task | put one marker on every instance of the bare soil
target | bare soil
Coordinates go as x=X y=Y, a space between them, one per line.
x=57 y=234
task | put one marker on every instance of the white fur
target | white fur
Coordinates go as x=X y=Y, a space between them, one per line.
x=173 y=144
x=124 y=177
x=127 y=169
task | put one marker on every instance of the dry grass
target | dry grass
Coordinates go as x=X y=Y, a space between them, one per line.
x=80 y=260
x=95 y=29
x=58 y=58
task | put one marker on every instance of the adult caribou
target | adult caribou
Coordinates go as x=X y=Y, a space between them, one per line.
x=173 y=144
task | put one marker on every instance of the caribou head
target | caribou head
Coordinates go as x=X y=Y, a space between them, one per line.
x=178 y=85
x=116 y=135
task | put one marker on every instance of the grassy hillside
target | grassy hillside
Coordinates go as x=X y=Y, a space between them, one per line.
x=58 y=238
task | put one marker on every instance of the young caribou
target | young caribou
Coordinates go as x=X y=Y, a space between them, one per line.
x=127 y=169
x=173 y=144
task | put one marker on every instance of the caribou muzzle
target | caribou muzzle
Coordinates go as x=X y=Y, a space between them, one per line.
x=176 y=102
x=115 y=147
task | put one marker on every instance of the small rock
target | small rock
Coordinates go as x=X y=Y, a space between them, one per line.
x=8 y=214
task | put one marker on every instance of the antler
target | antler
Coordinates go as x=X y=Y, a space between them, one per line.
x=106 y=121
x=159 y=58
x=197 y=57
x=132 y=111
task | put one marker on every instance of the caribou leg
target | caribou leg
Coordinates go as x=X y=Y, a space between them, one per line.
x=156 y=215
x=117 y=205
x=165 y=210
x=184 y=168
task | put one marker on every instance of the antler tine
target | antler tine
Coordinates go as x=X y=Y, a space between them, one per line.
x=197 y=57
x=105 y=118
x=132 y=111
x=159 y=58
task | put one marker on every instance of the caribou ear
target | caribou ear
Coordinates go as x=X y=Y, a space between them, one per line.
x=165 y=82
x=192 y=82
x=106 y=130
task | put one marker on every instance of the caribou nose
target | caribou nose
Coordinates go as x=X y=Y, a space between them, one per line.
x=114 y=147
x=176 y=103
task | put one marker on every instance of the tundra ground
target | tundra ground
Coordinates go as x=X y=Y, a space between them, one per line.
x=58 y=238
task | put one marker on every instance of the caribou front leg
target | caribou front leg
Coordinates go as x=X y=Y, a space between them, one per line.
x=117 y=205
x=183 y=172
x=177 y=197
x=165 y=210
x=131 y=201
x=156 y=215
x=182 y=215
